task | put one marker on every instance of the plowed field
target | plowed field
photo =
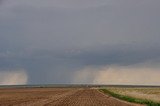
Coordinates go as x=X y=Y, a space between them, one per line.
x=57 y=97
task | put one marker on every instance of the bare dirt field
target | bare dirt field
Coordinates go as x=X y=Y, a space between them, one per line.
x=57 y=97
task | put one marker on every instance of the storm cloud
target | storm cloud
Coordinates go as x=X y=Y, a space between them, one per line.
x=75 y=41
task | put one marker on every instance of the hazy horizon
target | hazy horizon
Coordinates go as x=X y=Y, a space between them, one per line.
x=80 y=42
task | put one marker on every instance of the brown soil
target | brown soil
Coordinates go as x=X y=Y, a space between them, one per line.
x=57 y=97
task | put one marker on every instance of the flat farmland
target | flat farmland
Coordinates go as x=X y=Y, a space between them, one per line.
x=57 y=97
x=149 y=93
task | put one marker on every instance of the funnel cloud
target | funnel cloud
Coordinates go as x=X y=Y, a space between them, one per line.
x=80 y=41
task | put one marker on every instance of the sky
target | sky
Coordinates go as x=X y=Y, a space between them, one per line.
x=80 y=42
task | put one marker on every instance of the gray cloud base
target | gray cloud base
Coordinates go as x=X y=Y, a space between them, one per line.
x=53 y=39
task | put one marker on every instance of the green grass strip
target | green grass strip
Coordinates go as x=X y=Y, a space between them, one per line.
x=130 y=99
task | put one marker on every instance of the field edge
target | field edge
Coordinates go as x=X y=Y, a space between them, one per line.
x=130 y=99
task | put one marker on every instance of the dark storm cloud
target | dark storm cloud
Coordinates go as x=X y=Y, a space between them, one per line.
x=50 y=40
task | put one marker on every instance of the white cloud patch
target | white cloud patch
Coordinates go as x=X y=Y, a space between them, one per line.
x=13 y=77
x=119 y=75
x=86 y=75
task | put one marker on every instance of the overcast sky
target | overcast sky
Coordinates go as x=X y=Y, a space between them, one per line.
x=80 y=41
